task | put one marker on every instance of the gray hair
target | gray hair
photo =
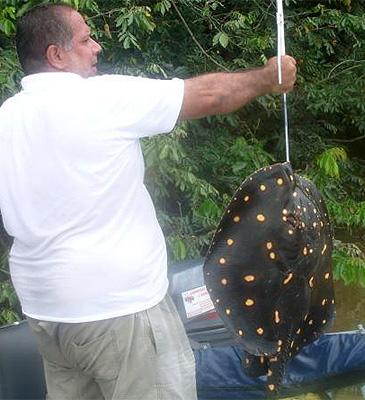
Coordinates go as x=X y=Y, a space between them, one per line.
x=37 y=29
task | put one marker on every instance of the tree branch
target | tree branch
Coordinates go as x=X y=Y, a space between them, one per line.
x=103 y=14
x=348 y=140
x=329 y=77
x=5 y=272
x=194 y=39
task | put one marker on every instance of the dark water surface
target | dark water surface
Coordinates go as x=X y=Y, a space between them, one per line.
x=350 y=312
x=350 y=307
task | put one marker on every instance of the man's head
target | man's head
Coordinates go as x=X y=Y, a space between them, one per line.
x=54 y=37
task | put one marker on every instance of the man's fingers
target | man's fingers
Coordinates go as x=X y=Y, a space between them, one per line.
x=290 y=58
x=288 y=73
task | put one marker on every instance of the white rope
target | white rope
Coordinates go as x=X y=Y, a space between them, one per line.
x=281 y=52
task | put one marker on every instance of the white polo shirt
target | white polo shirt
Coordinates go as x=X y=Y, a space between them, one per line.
x=87 y=244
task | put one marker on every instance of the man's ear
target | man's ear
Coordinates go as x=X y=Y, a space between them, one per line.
x=56 y=57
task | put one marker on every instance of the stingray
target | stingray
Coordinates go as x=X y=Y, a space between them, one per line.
x=269 y=269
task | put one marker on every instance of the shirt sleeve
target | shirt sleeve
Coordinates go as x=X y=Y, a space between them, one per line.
x=138 y=107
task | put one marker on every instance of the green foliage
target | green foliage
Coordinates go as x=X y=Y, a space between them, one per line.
x=328 y=161
x=7 y=18
x=336 y=180
x=8 y=299
x=348 y=214
x=349 y=262
x=9 y=73
x=179 y=194
x=192 y=173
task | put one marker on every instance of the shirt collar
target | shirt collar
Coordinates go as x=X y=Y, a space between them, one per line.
x=47 y=79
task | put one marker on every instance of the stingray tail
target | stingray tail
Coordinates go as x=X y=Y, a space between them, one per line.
x=254 y=366
x=276 y=370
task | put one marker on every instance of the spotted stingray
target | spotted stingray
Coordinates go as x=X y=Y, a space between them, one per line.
x=269 y=269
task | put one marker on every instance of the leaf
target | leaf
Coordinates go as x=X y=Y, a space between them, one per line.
x=224 y=40
x=164 y=151
x=221 y=38
x=107 y=31
x=160 y=6
x=8 y=316
x=328 y=161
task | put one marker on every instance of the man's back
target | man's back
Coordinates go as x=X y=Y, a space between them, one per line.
x=73 y=195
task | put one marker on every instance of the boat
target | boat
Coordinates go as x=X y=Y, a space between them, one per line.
x=334 y=360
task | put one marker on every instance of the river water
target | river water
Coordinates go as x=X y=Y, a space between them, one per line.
x=350 y=312
x=350 y=307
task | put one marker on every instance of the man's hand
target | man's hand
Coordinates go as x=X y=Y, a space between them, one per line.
x=288 y=73
x=222 y=93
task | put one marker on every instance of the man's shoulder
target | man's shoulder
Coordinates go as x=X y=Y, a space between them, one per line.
x=111 y=78
x=10 y=101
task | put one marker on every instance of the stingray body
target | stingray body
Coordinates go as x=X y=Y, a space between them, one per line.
x=269 y=269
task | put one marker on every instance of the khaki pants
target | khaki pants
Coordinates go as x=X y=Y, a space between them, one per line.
x=142 y=356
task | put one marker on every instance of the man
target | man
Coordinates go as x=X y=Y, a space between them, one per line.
x=88 y=260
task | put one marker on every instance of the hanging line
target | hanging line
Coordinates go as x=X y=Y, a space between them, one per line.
x=281 y=52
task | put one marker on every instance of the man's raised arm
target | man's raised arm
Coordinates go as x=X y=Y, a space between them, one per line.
x=222 y=93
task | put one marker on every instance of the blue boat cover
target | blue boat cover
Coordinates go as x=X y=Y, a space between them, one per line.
x=321 y=365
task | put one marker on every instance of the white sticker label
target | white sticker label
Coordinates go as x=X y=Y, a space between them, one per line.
x=197 y=301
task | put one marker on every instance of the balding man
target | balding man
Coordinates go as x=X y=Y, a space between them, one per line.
x=89 y=259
